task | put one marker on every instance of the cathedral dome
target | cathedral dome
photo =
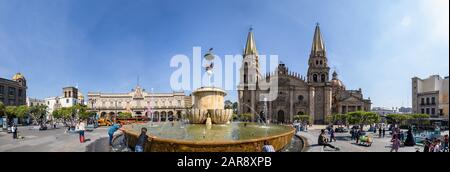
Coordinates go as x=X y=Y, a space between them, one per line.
x=18 y=76
x=335 y=82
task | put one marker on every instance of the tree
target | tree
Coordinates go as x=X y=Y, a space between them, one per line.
x=2 y=109
x=228 y=104
x=21 y=111
x=57 y=114
x=235 y=107
x=37 y=113
x=10 y=111
x=125 y=115
x=304 y=118
x=362 y=118
x=420 y=119
x=398 y=118
x=339 y=119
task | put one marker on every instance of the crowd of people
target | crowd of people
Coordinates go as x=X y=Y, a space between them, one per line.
x=436 y=145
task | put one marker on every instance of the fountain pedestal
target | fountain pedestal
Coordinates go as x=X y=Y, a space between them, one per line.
x=209 y=101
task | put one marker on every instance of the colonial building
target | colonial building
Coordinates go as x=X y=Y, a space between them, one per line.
x=13 y=92
x=430 y=96
x=163 y=106
x=70 y=97
x=314 y=94
x=35 y=102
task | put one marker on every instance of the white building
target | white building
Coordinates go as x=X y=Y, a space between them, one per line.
x=384 y=111
x=71 y=97
x=430 y=96
x=34 y=102
x=141 y=103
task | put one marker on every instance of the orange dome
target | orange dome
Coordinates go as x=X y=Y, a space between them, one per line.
x=18 y=76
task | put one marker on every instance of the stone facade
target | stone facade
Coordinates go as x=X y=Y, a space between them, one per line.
x=430 y=96
x=314 y=94
x=13 y=92
x=164 y=106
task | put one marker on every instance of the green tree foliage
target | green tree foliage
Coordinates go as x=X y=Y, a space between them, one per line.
x=362 y=118
x=10 y=111
x=398 y=118
x=2 y=109
x=228 y=104
x=235 y=107
x=37 y=112
x=339 y=119
x=125 y=115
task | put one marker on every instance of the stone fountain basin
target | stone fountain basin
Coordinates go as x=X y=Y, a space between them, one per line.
x=234 y=137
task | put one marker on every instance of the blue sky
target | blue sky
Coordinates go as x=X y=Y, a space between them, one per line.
x=103 y=45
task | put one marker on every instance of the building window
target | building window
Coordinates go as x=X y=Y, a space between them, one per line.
x=65 y=93
x=428 y=101
x=323 y=78
x=423 y=111
x=48 y=103
x=179 y=102
x=428 y=111
x=315 y=77
x=11 y=91
x=433 y=100
x=67 y=100
x=245 y=78
x=2 y=89
x=317 y=62
x=422 y=102
x=321 y=62
x=433 y=111
x=441 y=112
x=20 y=92
x=300 y=98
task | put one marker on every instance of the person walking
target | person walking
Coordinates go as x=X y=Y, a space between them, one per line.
x=332 y=136
x=395 y=143
x=81 y=128
x=358 y=134
x=384 y=132
x=322 y=141
x=268 y=147
x=112 y=130
x=379 y=132
x=142 y=140
x=14 y=131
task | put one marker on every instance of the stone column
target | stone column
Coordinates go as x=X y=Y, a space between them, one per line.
x=328 y=99
x=291 y=105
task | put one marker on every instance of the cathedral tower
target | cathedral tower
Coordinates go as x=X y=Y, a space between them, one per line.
x=249 y=77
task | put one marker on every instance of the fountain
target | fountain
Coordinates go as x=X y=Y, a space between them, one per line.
x=208 y=127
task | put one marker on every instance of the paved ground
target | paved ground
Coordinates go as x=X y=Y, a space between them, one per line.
x=345 y=144
x=54 y=140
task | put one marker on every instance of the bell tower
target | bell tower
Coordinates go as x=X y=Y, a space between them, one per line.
x=249 y=76
x=318 y=70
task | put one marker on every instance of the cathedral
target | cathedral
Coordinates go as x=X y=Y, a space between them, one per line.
x=315 y=95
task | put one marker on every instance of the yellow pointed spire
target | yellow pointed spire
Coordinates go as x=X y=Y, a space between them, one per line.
x=318 y=45
x=250 y=47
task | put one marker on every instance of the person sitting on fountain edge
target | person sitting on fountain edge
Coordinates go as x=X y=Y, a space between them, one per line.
x=323 y=140
x=140 y=144
x=267 y=147
x=112 y=130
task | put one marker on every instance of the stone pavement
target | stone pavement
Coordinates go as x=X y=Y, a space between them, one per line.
x=54 y=140
x=345 y=144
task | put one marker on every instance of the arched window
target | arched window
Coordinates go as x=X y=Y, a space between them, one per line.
x=245 y=64
x=323 y=78
x=245 y=78
x=315 y=77
x=317 y=62
x=321 y=62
